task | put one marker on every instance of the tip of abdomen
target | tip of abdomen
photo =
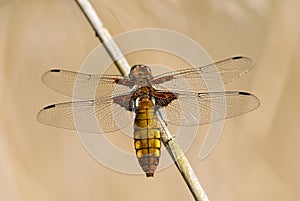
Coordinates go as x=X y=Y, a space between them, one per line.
x=149 y=174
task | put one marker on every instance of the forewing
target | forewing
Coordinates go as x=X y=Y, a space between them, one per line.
x=102 y=115
x=197 y=78
x=83 y=86
x=190 y=109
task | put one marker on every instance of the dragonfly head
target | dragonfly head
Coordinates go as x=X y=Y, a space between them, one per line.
x=140 y=71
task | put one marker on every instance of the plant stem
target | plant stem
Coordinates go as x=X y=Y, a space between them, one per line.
x=169 y=141
x=104 y=36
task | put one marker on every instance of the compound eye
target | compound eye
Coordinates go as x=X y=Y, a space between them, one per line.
x=140 y=71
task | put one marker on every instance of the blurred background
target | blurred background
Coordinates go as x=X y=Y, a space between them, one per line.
x=257 y=155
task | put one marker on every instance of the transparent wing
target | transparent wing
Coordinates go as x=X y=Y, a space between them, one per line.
x=196 y=78
x=94 y=116
x=191 y=109
x=87 y=86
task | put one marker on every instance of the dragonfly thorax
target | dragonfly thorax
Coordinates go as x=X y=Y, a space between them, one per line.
x=144 y=93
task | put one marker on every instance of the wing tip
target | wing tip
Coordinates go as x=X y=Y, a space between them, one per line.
x=258 y=103
x=250 y=63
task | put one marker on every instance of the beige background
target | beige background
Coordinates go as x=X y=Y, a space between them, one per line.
x=257 y=157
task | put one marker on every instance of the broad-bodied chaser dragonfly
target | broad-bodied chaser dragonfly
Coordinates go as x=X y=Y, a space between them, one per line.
x=173 y=95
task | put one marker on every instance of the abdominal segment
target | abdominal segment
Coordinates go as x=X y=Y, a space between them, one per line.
x=147 y=138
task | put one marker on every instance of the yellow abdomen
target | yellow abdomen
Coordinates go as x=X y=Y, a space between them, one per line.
x=147 y=137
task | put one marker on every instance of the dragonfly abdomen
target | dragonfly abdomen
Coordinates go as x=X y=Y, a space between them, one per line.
x=147 y=137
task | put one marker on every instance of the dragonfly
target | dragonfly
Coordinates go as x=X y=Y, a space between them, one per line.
x=116 y=101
